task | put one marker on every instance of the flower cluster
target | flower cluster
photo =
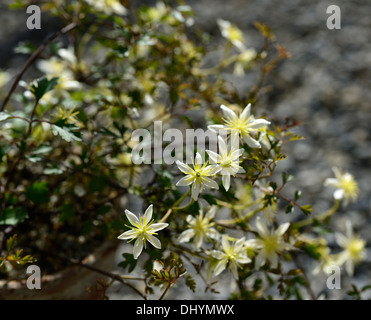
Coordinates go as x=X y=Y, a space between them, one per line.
x=227 y=161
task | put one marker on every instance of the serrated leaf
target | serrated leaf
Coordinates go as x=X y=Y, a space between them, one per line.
x=307 y=209
x=10 y=243
x=42 y=86
x=128 y=262
x=190 y=283
x=65 y=133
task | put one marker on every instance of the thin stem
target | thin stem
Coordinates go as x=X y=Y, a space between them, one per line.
x=181 y=198
x=166 y=216
x=166 y=290
x=33 y=57
x=185 y=206
x=319 y=217
x=113 y=276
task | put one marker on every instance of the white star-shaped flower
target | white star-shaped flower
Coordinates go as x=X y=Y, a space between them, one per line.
x=227 y=161
x=243 y=125
x=354 y=248
x=198 y=177
x=200 y=227
x=143 y=229
x=231 y=255
x=270 y=243
x=346 y=186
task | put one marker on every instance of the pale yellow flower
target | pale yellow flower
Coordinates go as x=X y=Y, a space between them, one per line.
x=243 y=125
x=200 y=227
x=227 y=161
x=198 y=176
x=270 y=243
x=231 y=256
x=231 y=33
x=108 y=6
x=346 y=186
x=143 y=229
x=354 y=249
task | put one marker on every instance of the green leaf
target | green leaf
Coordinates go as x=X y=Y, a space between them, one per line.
x=190 y=283
x=4 y=115
x=289 y=208
x=307 y=209
x=10 y=243
x=38 y=192
x=128 y=262
x=24 y=47
x=65 y=133
x=42 y=86
x=66 y=212
x=297 y=194
x=12 y=216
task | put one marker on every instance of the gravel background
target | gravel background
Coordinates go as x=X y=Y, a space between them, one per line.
x=326 y=85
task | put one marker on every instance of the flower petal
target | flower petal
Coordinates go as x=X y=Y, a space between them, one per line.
x=127 y=235
x=259 y=123
x=339 y=194
x=226 y=180
x=133 y=219
x=198 y=159
x=220 y=267
x=217 y=254
x=233 y=268
x=252 y=143
x=185 y=181
x=273 y=258
x=246 y=112
x=260 y=260
x=213 y=156
x=211 y=213
x=210 y=183
x=184 y=168
x=186 y=235
x=222 y=146
x=331 y=182
x=158 y=226
x=148 y=215
x=196 y=190
x=282 y=229
x=138 y=248
x=154 y=241
x=198 y=240
x=228 y=113
x=341 y=239
x=225 y=244
x=239 y=244
x=262 y=228
x=215 y=127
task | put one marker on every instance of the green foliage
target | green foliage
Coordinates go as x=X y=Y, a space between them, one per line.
x=42 y=86
x=13 y=256
x=12 y=216
x=66 y=167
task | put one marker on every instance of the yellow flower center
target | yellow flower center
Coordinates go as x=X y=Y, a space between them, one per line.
x=355 y=248
x=226 y=163
x=349 y=185
x=271 y=244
